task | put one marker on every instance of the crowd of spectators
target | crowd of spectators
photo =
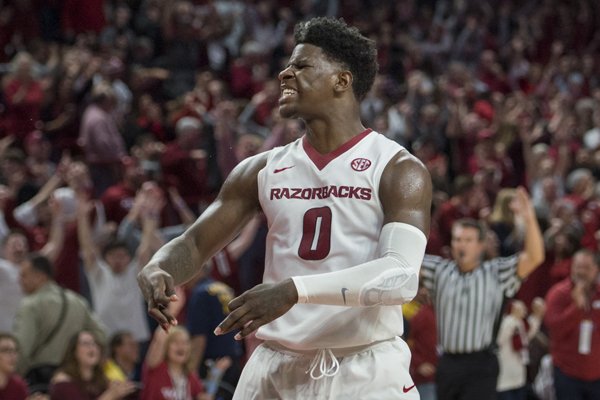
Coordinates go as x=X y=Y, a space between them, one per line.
x=120 y=119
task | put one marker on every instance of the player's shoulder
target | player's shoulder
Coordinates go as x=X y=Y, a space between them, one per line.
x=250 y=166
x=259 y=161
x=406 y=176
x=404 y=163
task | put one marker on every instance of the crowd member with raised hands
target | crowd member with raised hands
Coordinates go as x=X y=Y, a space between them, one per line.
x=516 y=331
x=130 y=229
x=112 y=269
x=168 y=371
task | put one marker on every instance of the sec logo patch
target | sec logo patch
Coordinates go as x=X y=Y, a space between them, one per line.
x=360 y=164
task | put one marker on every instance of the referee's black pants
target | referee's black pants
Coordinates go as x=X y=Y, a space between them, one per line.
x=470 y=376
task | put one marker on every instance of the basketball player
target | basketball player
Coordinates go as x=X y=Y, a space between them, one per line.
x=348 y=213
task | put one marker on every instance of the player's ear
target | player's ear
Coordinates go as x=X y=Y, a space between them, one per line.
x=343 y=81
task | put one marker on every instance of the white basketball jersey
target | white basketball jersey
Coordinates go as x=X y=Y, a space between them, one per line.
x=324 y=214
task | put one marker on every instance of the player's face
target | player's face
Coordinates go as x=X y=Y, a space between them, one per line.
x=467 y=248
x=307 y=83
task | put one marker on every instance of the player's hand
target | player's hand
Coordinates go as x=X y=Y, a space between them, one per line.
x=257 y=307
x=159 y=291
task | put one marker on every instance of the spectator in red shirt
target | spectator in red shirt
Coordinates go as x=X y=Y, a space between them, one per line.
x=118 y=198
x=167 y=372
x=79 y=16
x=422 y=339
x=573 y=321
x=23 y=96
x=460 y=205
x=184 y=164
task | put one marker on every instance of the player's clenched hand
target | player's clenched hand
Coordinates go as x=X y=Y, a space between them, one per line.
x=158 y=290
x=258 y=306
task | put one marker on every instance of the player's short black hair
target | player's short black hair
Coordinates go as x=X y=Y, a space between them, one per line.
x=345 y=45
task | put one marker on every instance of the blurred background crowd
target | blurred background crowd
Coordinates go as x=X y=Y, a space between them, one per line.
x=119 y=121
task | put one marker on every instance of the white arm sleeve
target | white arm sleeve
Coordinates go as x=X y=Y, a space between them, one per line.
x=391 y=279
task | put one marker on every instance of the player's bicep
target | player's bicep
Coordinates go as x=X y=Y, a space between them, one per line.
x=405 y=191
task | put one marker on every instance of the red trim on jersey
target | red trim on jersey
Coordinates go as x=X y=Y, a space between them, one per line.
x=321 y=160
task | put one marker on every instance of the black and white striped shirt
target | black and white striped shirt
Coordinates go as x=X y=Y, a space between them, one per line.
x=468 y=304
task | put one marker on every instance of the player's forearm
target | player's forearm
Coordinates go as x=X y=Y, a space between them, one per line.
x=180 y=258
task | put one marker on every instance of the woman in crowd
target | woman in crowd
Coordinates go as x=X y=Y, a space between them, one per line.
x=11 y=385
x=167 y=372
x=80 y=375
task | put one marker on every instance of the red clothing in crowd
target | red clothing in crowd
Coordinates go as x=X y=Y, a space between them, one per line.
x=423 y=340
x=449 y=212
x=66 y=266
x=117 y=201
x=21 y=115
x=537 y=284
x=563 y=319
x=560 y=270
x=186 y=173
x=72 y=390
x=159 y=386
x=225 y=269
x=15 y=389
x=79 y=16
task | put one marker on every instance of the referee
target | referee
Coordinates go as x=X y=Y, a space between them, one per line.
x=468 y=295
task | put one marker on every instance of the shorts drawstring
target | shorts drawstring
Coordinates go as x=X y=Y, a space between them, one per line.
x=321 y=360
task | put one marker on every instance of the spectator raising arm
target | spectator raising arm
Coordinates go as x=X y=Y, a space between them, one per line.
x=56 y=239
x=533 y=253
x=88 y=249
x=150 y=215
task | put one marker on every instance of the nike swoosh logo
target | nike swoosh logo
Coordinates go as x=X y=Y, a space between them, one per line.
x=282 y=169
x=344 y=290
x=407 y=389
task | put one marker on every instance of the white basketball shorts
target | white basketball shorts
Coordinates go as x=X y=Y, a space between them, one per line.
x=377 y=372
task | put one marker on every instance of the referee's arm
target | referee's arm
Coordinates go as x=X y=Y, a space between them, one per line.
x=533 y=253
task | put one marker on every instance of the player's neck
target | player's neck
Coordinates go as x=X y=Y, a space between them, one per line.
x=326 y=137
